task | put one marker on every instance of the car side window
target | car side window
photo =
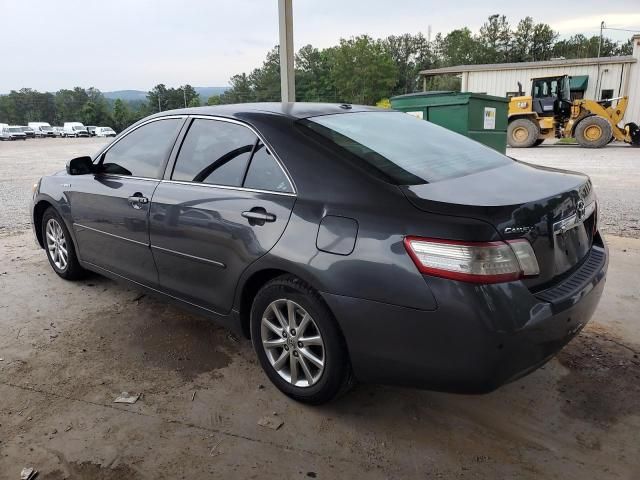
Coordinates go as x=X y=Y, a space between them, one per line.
x=142 y=152
x=214 y=152
x=265 y=172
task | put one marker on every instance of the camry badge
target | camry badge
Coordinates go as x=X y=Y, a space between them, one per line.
x=509 y=230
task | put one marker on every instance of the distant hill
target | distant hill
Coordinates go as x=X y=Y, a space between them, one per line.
x=140 y=95
x=128 y=95
x=206 y=92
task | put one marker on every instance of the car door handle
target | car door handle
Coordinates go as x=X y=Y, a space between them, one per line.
x=258 y=216
x=137 y=200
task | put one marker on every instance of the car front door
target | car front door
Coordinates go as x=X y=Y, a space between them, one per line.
x=225 y=203
x=110 y=209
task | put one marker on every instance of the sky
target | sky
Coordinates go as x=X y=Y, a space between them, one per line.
x=136 y=44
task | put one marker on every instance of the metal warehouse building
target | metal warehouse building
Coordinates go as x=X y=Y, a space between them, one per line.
x=601 y=78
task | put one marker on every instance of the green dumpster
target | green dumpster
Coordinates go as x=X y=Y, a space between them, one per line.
x=478 y=116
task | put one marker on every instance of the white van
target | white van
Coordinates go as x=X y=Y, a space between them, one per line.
x=41 y=129
x=105 y=132
x=75 y=129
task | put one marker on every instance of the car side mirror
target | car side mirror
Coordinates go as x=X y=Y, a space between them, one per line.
x=80 y=166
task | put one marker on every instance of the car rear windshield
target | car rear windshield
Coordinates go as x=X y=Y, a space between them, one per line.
x=405 y=149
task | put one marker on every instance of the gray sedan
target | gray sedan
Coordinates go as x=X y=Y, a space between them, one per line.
x=347 y=242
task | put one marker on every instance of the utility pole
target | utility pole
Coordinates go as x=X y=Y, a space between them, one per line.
x=184 y=94
x=287 y=73
x=599 y=51
x=159 y=108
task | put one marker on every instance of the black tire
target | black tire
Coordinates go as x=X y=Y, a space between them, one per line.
x=336 y=377
x=593 y=132
x=522 y=133
x=72 y=270
x=538 y=142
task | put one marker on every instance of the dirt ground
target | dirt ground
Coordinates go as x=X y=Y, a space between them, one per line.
x=68 y=349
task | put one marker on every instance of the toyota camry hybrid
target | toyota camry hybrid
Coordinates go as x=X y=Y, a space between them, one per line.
x=347 y=242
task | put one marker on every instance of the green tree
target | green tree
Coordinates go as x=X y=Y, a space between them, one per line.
x=240 y=91
x=213 y=100
x=495 y=39
x=542 y=42
x=362 y=70
x=458 y=47
x=522 y=43
x=189 y=94
x=265 y=81
x=121 y=115
x=579 y=46
x=410 y=54
x=313 y=75
x=158 y=99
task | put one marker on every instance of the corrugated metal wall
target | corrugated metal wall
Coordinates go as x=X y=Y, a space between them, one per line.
x=499 y=82
x=633 y=87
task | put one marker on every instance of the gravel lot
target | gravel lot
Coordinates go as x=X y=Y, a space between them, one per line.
x=615 y=171
x=22 y=163
x=68 y=349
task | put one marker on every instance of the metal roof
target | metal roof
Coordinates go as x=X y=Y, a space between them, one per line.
x=526 y=65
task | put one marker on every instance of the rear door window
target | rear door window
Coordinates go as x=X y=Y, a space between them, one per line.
x=214 y=152
x=265 y=172
x=142 y=152
x=404 y=149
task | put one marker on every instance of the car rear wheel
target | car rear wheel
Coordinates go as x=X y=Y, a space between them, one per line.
x=59 y=247
x=298 y=342
x=522 y=133
x=593 y=132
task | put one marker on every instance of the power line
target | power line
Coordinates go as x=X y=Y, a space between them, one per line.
x=636 y=30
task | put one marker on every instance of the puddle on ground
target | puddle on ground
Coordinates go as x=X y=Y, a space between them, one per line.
x=92 y=471
x=603 y=383
x=157 y=334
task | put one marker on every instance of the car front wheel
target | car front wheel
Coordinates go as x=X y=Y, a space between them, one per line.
x=59 y=247
x=298 y=342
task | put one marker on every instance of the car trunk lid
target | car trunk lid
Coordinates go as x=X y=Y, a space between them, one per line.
x=553 y=209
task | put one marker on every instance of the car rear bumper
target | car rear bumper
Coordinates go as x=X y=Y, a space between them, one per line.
x=479 y=337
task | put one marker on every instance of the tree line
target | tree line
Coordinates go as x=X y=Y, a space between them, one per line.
x=360 y=69
x=364 y=70
x=90 y=106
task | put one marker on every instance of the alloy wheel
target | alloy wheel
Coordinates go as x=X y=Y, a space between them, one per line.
x=57 y=244
x=293 y=343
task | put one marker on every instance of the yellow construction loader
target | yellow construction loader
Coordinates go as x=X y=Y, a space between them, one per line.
x=549 y=112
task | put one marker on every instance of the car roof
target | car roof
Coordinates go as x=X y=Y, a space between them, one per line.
x=294 y=110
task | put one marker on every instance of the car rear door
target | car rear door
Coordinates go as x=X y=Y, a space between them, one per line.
x=223 y=204
x=110 y=209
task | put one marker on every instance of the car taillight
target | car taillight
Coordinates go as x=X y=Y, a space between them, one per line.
x=477 y=262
